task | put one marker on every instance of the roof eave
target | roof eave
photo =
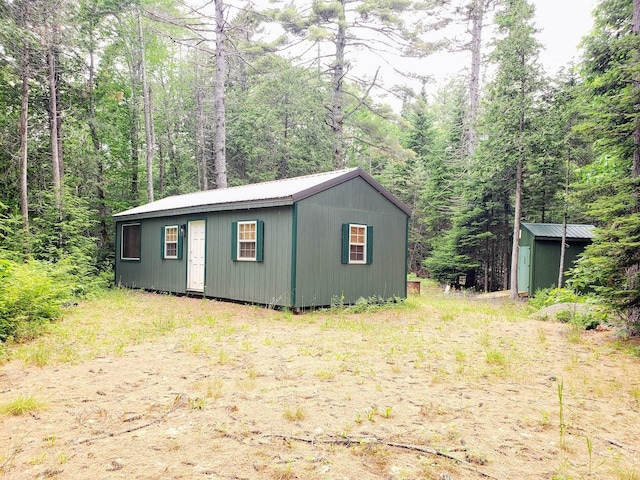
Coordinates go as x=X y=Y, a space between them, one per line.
x=246 y=205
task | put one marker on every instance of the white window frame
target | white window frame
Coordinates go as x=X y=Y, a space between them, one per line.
x=362 y=244
x=166 y=242
x=122 y=257
x=254 y=241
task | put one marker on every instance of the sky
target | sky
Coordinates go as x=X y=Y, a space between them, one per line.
x=561 y=25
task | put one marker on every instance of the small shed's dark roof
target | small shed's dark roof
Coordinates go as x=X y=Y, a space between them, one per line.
x=257 y=195
x=554 y=230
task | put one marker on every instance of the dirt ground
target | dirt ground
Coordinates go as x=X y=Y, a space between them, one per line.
x=437 y=391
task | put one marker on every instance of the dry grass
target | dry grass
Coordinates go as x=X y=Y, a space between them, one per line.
x=155 y=383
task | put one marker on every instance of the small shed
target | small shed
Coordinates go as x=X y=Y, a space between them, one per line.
x=300 y=243
x=539 y=253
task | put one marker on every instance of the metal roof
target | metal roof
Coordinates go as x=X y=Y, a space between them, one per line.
x=266 y=194
x=554 y=230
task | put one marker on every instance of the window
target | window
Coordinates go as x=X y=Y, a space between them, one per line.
x=130 y=247
x=247 y=240
x=357 y=244
x=170 y=241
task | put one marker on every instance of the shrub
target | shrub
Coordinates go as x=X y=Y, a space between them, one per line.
x=546 y=297
x=32 y=293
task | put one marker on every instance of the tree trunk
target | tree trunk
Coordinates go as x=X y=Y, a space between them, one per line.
x=516 y=231
x=200 y=155
x=53 y=126
x=24 y=129
x=337 y=107
x=102 y=208
x=135 y=125
x=148 y=111
x=220 y=160
x=477 y=18
x=563 y=240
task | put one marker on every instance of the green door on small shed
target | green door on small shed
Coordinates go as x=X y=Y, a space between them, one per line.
x=524 y=268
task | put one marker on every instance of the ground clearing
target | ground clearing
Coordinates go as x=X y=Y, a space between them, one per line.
x=137 y=385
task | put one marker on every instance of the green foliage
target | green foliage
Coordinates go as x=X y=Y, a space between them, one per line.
x=30 y=296
x=583 y=320
x=611 y=265
x=586 y=318
x=546 y=297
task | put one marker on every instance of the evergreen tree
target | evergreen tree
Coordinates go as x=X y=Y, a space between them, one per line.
x=611 y=69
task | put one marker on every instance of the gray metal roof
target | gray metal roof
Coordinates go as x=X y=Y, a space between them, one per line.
x=554 y=230
x=257 y=195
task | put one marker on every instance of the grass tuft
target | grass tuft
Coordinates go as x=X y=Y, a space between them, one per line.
x=22 y=405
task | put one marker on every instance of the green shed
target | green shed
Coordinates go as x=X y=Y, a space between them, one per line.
x=301 y=242
x=539 y=253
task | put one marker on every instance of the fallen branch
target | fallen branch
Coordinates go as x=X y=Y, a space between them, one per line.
x=177 y=403
x=376 y=441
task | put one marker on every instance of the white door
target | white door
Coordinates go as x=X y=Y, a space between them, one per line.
x=195 y=262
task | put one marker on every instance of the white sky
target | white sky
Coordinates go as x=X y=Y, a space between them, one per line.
x=563 y=23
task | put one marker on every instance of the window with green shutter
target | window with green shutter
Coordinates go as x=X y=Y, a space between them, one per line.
x=357 y=244
x=247 y=241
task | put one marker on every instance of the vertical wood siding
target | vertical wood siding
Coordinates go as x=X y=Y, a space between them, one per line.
x=321 y=277
x=267 y=282
x=315 y=264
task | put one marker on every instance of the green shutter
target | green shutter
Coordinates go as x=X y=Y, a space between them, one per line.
x=345 y=243
x=180 y=242
x=259 y=241
x=369 y=244
x=234 y=241
x=162 y=242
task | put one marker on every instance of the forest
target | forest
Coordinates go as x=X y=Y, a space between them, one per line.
x=109 y=104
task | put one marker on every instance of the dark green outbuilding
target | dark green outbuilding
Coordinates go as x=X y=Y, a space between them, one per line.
x=300 y=243
x=539 y=253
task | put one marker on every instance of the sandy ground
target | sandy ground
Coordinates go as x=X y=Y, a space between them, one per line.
x=393 y=394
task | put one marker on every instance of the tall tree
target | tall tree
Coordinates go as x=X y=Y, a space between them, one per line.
x=512 y=96
x=611 y=68
x=220 y=151
x=25 y=74
x=475 y=11
x=349 y=26
x=147 y=108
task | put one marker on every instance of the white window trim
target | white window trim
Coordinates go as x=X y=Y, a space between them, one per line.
x=171 y=257
x=364 y=245
x=255 y=242
x=122 y=257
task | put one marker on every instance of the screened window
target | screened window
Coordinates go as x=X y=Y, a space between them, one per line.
x=130 y=248
x=171 y=241
x=247 y=240
x=357 y=244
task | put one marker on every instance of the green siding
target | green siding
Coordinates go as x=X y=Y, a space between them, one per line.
x=152 y=271
x=320 y=274
x=266 y=282
x=545 y=258
x=545 y=262
x=301 y=266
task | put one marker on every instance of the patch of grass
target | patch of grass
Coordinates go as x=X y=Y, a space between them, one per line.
x=22 y=405
x=294 y=414
x=326 y=374
x=626 y=472
x=39 y=356
x=496 y=357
